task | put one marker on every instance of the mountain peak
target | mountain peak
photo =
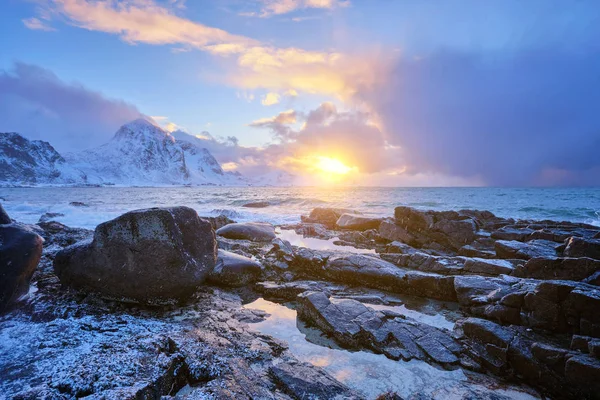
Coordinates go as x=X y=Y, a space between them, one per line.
x=142 y=128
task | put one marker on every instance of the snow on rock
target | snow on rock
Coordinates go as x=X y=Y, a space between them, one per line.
x=25 y=162
x=140 y=153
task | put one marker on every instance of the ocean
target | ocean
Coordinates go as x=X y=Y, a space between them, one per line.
x=286 y=204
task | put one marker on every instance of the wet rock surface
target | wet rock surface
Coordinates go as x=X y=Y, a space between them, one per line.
x=253 y=231
x=497 y=301
x=4 y=218
x=234 y=270
x=20 y=253
x=148 y=256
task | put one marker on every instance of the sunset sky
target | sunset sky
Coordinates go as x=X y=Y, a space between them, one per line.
x=407 y=93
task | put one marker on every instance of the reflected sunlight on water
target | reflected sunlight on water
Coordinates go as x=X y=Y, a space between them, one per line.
x=368 y=373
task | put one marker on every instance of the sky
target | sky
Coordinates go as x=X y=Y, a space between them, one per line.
x=358 y=92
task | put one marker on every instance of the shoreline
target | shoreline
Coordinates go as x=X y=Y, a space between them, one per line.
x=495 y=271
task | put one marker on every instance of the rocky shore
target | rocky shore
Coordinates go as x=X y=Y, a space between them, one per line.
x=150 y=305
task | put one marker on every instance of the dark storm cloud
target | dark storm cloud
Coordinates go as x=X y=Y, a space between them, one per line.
x=519 y=118
x=37 y=104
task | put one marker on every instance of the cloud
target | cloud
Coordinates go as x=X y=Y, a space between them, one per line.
x=526 y=117
x=349 y=137
x=253 y=64
x=37 y=104
x=141 y=21
x=270 y=99
x=37 y=24
x=278 y=7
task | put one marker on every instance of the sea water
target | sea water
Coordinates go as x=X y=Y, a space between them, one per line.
x=287 y=204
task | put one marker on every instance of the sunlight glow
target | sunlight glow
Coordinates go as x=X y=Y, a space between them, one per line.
x=332 y=166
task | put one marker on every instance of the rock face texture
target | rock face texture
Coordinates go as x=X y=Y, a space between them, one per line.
x=4 y=218
x=357 y=222
x=253 y=231
x=20 y=252
x=234 y=270
x=446 y=229
x=352 y=324
x=148 y=256
x=326 y=216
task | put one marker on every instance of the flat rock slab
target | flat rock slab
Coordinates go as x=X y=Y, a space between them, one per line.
x=302 y=381
x=253 y=231
x=357 y=222
x=538 y=248
x=352 y=324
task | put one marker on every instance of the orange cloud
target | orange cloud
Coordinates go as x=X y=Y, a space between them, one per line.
x=270 y=99
x=142 y=21
x=279 y=7
x=256 y=65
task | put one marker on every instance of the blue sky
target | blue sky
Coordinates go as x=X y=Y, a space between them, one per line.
x=405 y=92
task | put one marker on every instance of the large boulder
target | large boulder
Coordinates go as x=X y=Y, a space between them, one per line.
x=357 y=222
x=234 y=270
x=20 y=252
x=148 y=256
x=580 y=247
x=4 y=218
x=253 y=231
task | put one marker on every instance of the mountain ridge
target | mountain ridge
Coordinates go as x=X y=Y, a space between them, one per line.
x=140 y=153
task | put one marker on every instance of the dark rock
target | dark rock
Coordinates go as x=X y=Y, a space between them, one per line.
x=20 y=252
x=234 y=270
x=375 y=273
x=302 y=381
x=326 y=216
x=148 y=256
x=290 y=290
x=354 y=325
x=575 y=269
x=283 y=248
x=49 y=216
x=458 y=232
x=511 y=233
x=580 y=343
x=219 y=221
x=584 y=371
x=253 y=231
x=4 y=218
x=594 y=347
x=472 y=251
x=448 y=229
x=390 y=231
x=593 y=279
x=400 y=248
x=78 y=204
x=532 y=249
x=257 y=204
x=357 y=222
x=579 y=247
x=427 y=263
x=482 y=266
x=482 y=247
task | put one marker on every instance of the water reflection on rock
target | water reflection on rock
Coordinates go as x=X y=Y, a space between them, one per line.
x=374 y=374
x=318 y=244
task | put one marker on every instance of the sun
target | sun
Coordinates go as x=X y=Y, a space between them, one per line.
x=332 y=166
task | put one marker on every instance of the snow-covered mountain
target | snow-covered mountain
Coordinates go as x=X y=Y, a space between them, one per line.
x=140 y=153
x=30 y=162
